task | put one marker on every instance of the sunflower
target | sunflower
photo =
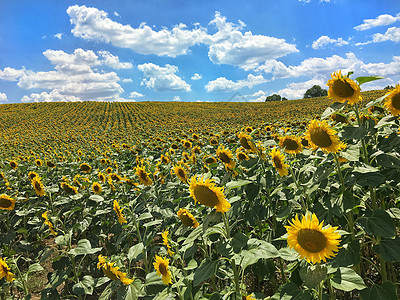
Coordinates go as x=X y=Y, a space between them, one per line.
x=213 y=142
x=112 y=272
x=39 y=162
x=165 y=159
x=312 y=241
x=392 y=102
x=320 y=135
x=208 y=194
x=50 y=164
x=69 y=189
x=161 y=266
x=187 y=144
x=250 y=297
x=291 y=144
x=245 y=141
x=225 y=155
x=241 y=155
x=342 y=88
x=119 y=210
x=143 y=176
x=48 y=223
x=96 y=187
x=32 y=174
x=6 y=202
x=164 y=235
x=187 y=218
x=180 y=172
x=209 y=160
x=102 y=177
x=278 y=160
x=5 y=271
x=85 y=167
x=38 y=185
x=13 y=164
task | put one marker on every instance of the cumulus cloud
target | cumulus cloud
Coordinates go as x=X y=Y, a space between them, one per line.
x=380 y=20
x=162 y=78
x=11 y=74
x=53 y=96
x=391 y=34
x=135 y=95
x=176 y=98
x=297 y=90
x=324 y=40
x=113 y=61
x=58 y=35
x=196 y=76
x=224 y=85
x=3 y=97
x=126 y=80
x=258 y=96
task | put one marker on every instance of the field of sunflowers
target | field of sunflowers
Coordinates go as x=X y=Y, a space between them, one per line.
x=159 y=200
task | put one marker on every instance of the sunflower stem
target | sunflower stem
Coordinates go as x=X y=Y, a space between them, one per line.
x=282 y=270
x=339 y=171
x=21 y=278
x=320 y=290
x=330 y=288
x=303 y=202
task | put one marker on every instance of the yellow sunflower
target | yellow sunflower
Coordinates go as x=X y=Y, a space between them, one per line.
x=241 y=155
x=48 y=223
x=85 y=167
x=180 y=172
x=69 y=189
x=5 y=271
x=119 y=210
x=102 y=177
x=187 y=218
x=38 y=186
x=291 y=144
x=39 y=162
x=161 y=266
x=6 y=202
x=96 y=187
x=311 y=240
x=112 y=272
x=209 y=160
x=143 y=176
x=165 y=159
x=225 y=155
x=342 y=89
x=320 y=135
x=13 y=164
x=164 y=235
x=278 y=160
x=208 y=194
x=245 y=141
x=50 y=164
x=392 y=102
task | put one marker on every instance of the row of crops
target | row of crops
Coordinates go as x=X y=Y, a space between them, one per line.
x=294 y=199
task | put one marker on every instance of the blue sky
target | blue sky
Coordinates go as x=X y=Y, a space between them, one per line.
x=191 y=50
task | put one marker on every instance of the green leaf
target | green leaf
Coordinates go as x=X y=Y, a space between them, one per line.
x=388 y=161
x=313 y=275
x=83 y=247
x=332 y=109
x=364 y=79
x=236 y=184
x=239 y=241
x=252 y=191
x=135 y=250
x=384 y=291
x=354 y=132
x=191 y=265
x=207 y=269
x=106 y=294
x=84 y=287
x=348 y=255
x=376 y=101
x=378 y=223
x=370 y=179
x=351 y=153
x=144 y=216
x=386 y=121
x=394 y=212
x=347 y=279
x=36 y=267
x=133 y=290
x=193 y=236
x=288 y=254
x=389 y=249
x=257 y=249
x=96 y=198
x=153 y=284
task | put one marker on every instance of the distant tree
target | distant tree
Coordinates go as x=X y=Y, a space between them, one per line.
x=389 y=87
x=315 y=91
x=284 y=98
x=274 y=97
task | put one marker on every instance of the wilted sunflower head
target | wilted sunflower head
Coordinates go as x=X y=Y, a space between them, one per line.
x=320 y=135
x=392 y=102
x=311 y=240
x=291 y=144
x=342 y=89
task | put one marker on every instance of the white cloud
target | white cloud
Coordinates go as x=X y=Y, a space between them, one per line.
x=3 y=97
x=223 y=84
x=93 y=24
x=391 y=34
x=324 y=40
x=255 y=97
x=58 y=35
x=126 y=80
x=162 y=78
x=53 y=96
x=113 y=61
x=297 y=90
x=382 y=69
x=176 y=98
x=11 y=74
x=381 y=20
x=135 y=95
x=196 y=76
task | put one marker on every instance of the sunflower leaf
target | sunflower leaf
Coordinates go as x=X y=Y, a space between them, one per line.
x=373 y=102
x=389 y=249
x=364 y=79
x=347 y=279
x=332 y=109
x=384 y=291
x=378 y=223
x=207 y=269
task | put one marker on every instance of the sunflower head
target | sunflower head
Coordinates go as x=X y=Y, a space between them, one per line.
x=69 y=189
x=118 y=210
x=278 y=161
x=38 y=186
x=392 y=102
x=187 y=218
x=6 y=202
x=85 y=167
x=342 y=89
x=246 y=142
x=161 y=265
x=143 y=176
x=96 y=187
x=205 y=192
x=39 y=162
x=311 y=240
x=13 y=164
x=5 y=271
x=181 y=173
x=209 y=160
x=225 y=155
x=32 y=174
x=291 y=144
x=320 y=135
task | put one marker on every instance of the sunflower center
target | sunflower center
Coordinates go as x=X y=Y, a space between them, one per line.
x=186 y=220
x=205 y=196
x=241 y=156
x=5 y=203
x=37 y=186
x=277 y=162
x=143 y=175
x=342 y=89
x=396 y=101
x=311 y=240
x=320 y=137
x=244 y=143
x=181 y=173
x=225 y=158
x=163 y=269
x=290 y=144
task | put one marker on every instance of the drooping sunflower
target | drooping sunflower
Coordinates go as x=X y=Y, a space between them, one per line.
x=161 y=266
x=311 y=240
x=320 y=135
x=181 y=173
x=118 y=210
x=225 y=155
x=112 y=272
x=246 y=142
x=342 y=89
x=38 y=186
x=278 y=160
x=164 y=235
x=85 y=168
x=5 y=271
x=208 y=194
x=291 y=144
x=96 y=187
x=187 y=218
x=6 y=202
x=143 y=176
x=392 y=102
x=48 y=223
x=69 y=189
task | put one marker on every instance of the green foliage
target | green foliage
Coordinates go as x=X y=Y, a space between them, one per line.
x=315 y=91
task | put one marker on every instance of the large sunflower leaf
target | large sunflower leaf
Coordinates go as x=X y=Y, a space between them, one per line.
x=378 y=223
x=347 y=279
x=364 y=79
x=384 y=291
x=389 y=249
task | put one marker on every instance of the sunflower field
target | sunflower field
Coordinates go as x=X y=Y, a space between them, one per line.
x=159 y=200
